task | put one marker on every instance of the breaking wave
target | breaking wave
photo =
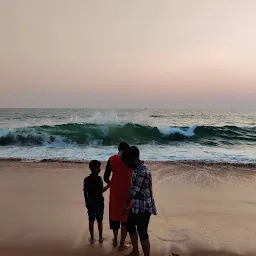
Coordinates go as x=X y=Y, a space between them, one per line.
x=111 y=134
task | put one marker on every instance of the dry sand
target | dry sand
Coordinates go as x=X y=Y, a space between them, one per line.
x=204 y=209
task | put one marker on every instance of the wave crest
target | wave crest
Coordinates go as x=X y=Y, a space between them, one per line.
x=112 y=134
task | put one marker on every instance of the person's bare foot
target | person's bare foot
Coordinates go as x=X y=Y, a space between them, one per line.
x=91 y=240
x=123 y=247
x=101 y=240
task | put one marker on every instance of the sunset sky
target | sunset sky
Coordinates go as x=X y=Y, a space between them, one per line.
x=136 y=53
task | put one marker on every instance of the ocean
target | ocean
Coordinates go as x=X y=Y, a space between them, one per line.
x=160 y=134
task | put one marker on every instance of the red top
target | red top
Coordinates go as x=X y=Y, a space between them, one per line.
x=119 y=188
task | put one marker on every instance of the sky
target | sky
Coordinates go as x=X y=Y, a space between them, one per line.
x=136 y=53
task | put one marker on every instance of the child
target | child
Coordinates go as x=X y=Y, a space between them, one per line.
x=94 y=200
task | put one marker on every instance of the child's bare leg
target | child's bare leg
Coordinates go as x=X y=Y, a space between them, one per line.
x=91 y=229
x=100 y=228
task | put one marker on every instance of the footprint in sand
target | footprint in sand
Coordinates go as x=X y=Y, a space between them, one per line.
x=173 y=235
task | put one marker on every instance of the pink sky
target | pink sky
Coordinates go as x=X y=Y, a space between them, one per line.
x=147 y=53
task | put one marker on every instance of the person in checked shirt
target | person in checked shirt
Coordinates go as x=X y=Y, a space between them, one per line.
x=143 y=204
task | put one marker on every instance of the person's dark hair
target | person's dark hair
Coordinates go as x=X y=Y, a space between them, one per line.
x=123 y=146
x=94 y=164
x=135 y=152
x=131 y=154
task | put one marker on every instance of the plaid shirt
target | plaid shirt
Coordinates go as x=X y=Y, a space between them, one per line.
x=141 y=190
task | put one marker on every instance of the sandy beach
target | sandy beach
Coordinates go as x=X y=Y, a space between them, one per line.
x=204 y=209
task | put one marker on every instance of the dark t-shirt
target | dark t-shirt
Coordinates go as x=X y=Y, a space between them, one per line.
x=93 y=186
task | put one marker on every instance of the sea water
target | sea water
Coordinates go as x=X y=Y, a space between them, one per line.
x=160 y=134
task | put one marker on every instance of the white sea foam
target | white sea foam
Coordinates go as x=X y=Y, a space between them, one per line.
x=104 y=118
x=188 y=132
x=148 y=152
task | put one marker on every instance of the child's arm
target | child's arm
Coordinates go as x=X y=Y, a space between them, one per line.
x=85 y=190
x=105 y=188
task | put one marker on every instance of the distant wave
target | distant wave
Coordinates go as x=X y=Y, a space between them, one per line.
x=111 y=134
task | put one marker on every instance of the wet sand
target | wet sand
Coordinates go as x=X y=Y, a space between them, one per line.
x=204 y=209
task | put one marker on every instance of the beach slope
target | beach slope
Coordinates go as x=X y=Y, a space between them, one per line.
x=204 y=209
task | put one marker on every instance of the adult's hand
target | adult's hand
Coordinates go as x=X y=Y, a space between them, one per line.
x=126 y=207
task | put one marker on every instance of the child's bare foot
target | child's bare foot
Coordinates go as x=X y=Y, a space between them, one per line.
x=114 y=242
x=123 y=247
x=91 y=240
x=101 y=240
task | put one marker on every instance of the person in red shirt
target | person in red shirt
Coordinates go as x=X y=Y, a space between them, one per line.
x=120 y=184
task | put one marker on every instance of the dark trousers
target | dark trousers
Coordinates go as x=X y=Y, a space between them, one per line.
x=138 y=222
x=116 y=224
x=95 y=210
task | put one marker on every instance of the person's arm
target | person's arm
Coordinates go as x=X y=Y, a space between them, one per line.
x=85 y=190
x=137 y=184
x=108 y=171
x=127 y=205
x=105 y=188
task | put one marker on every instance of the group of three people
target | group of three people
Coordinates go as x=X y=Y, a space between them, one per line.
x=131 y=201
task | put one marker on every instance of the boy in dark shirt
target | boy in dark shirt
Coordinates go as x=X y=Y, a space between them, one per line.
x=94 y=200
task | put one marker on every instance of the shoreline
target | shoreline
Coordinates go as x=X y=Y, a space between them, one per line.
x=190 y=162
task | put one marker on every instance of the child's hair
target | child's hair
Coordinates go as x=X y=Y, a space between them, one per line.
x=131 y=154
x=94 y=164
